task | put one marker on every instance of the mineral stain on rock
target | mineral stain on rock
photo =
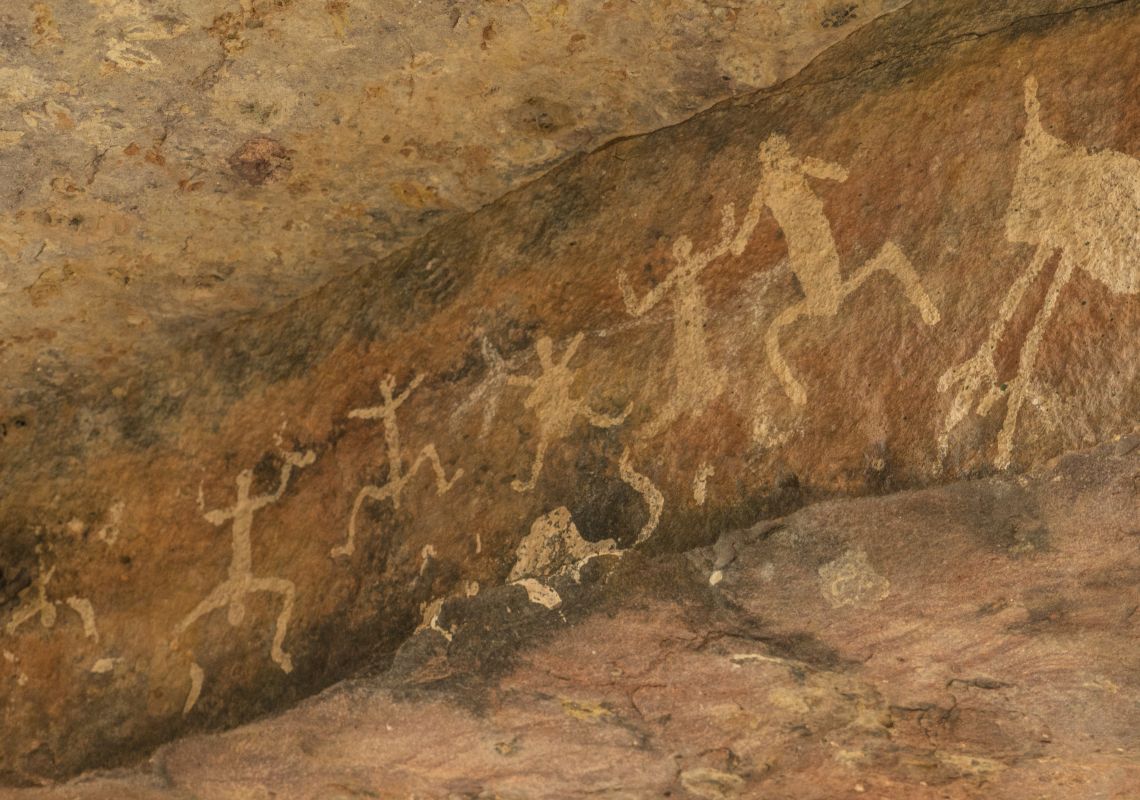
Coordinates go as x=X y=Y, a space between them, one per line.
x=261 y=159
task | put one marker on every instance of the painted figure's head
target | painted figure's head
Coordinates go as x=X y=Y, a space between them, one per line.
x=774 y=149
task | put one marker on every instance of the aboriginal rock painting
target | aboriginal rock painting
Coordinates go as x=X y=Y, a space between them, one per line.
x=230 y=594
x=397 y=478
x=812 y=253
x=554 y=404
x=1085 y=205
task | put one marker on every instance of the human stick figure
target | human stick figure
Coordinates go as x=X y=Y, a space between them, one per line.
x=230 y=594
x=397 y=478
x=812 y=252
x=554 y=404
x=45 y=608
x=1087 y=205
x=695 y=381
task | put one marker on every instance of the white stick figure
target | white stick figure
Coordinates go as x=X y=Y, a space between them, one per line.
x=489 y=391
x=812 y=253
x=1087 y=205
x=696 y=382
x=397 y=478
x=44 y=608
x=554 y=404
x=231 y=593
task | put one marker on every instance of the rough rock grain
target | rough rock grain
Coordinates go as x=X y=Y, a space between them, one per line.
x=1001 y=666
x=915 y=261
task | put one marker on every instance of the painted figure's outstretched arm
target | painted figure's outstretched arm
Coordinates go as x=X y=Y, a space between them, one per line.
x=818 y=168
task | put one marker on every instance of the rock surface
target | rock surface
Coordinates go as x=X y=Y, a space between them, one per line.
x=978 y=640
x=915 y=261
x=167 y=165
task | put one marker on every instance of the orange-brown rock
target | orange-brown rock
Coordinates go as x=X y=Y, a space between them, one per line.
x=915 y=261
x=977 y=640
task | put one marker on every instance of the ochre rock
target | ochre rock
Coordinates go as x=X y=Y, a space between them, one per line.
x=915 y=261
x=996 y=658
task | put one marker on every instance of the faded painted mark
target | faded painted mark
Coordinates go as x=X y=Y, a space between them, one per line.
x=231 y=592
x=540 y=593
x=652 y=496
x=812 y=254
x=701 y=482
x=1087 y=206
x=489 y=392
x=110 y=530
x=397 y=478
x=850 y=580
x=554 y=546
x=554 y=404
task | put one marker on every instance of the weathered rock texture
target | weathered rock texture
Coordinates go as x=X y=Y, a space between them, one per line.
x=915 y=261
x=168 y=164
x=977 y=640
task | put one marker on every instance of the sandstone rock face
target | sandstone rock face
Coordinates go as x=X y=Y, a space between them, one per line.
x=996 y=658
x=915 y=261
x=166 y=165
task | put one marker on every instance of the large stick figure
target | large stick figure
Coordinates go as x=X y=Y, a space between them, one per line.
x=812 y=252
x=1087 y=205
x=230 y=594
x=696 y=382
x=554 y=404
x=397 y=478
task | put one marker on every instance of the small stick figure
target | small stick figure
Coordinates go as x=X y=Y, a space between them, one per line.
x=1065 y=198
x=490 y=389
x=397 y=478
x=230 y=593
x=45 y=608
x=696 y=382
x=812 y=252
x=554 y=404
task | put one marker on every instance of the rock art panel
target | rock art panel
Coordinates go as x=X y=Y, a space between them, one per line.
x=771 y=344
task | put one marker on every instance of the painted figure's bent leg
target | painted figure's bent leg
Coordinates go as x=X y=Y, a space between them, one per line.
x=892 y=260
x=367 y=493
x=288 y=592
x=197 y=676
x=535 y=469
x=442 y=484
x=1025 y=363
x=978 y=374
x=219 y=598
x=792 y=387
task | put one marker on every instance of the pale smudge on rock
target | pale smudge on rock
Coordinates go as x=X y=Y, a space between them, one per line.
x=851 y=581
x=540 y=593
x=110 y=530
x=700 y=482
x=554 y=546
